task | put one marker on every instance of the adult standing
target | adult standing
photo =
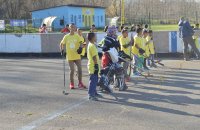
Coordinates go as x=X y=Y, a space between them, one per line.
x=186 y=33
x=73 y=43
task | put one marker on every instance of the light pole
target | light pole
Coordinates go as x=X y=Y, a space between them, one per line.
x=122 y=12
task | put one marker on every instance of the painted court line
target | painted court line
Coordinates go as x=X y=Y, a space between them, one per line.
x=43 y=120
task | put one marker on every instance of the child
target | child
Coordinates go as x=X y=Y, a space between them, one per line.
x=126 y=43
x=93 y=66
x=138 y=45
x=146 y=48
x=73 y=48
x=93 y=28
x=151 y=47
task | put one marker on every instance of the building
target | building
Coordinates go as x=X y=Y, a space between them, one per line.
x=82 y=16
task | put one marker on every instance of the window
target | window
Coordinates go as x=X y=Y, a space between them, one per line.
x=72 y=18
x=79 y=18
x=83 y=18
x=75 y=19
x=93 y=18
x=102 y=19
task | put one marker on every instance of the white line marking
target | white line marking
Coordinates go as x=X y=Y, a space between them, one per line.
x=52 y=116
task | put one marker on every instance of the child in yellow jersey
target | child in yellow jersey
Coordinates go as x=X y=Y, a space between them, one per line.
x=126 y=43
x=118 y=37
x=138 y=45
x=73 y=42
x=151 y=47
x=146 y=48
x=93 y=66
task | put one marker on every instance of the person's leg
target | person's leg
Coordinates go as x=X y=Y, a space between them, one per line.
x=152 y=60
x=79 y=68
x=71 y=67
x=149 y=60
x=137 y=64
x=185 y=52
x=125 y=67
x=145 y=64
x=194 y=48
x=92 y=85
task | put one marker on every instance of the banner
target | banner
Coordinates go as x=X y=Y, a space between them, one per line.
x=2 y=25
x=18 y=23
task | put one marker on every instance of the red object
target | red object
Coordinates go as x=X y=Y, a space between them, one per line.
x=65 y=30
x=105 y=60
x=81 y=85
x=72 y=86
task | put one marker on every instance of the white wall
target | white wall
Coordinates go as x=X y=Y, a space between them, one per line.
x=11 y=43
x=35 y=43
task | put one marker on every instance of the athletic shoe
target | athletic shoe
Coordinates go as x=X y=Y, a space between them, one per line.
x=98 y=95
x=153 y=65
x=125 y=87
x=92 y=98
x=146 y=68
x=72 y=86
x=136 y=74
x=81 y=85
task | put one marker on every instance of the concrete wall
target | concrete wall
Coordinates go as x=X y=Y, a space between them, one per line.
x=161 y=42
x=11 y=43
x=50 y=43
x=165 y=42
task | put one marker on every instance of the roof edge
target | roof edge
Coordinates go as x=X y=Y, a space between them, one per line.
x=70 y=5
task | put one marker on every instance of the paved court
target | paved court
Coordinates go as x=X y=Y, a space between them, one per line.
x=31 y=98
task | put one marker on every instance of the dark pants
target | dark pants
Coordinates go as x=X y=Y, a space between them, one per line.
x=93 y=84
x=190 y=41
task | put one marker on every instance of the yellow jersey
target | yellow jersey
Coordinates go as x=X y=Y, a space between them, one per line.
x=124 y=41
x=72 y=43
x=151 y=45
x=139 y=42
x=146 y=47
x=91 y=52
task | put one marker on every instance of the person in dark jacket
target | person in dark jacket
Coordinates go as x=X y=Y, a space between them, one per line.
x=186 y=33
x=110 y=40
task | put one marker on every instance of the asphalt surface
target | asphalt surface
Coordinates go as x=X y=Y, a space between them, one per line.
x=31 y=98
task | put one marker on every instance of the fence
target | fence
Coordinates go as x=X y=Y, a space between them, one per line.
x=165 y=42
x=26 y=26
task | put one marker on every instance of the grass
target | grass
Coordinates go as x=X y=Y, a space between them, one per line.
x=28 y=29
x=173 y=27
